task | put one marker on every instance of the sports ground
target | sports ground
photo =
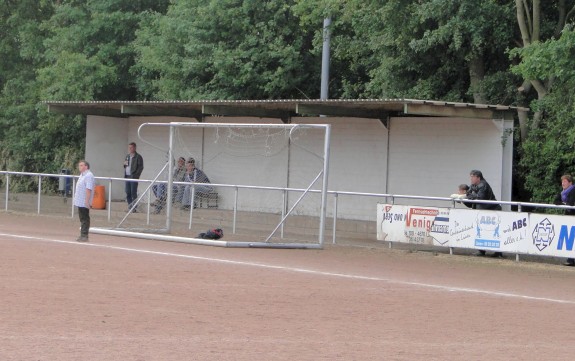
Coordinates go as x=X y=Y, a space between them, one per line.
x=132 y=299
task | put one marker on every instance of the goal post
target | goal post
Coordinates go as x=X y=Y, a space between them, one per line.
x=263 y=185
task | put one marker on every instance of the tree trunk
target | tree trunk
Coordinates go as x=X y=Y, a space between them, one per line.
x=476 y=75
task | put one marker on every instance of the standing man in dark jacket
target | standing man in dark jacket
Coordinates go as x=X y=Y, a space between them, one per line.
x=133 y=167
x=481 y=190
x=567 y=198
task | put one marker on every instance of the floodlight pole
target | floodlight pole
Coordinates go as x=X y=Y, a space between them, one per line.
x=325 y=58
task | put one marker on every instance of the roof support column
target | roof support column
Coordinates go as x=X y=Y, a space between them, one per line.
x=506 y=158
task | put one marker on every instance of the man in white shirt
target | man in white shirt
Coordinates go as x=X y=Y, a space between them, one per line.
x=83 y=198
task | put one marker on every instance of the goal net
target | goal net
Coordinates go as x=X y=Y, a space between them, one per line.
x=262 y=185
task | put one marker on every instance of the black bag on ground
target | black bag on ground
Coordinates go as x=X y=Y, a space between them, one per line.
x=215 y=233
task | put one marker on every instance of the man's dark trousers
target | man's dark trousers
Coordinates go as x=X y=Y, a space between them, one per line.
x=84 y=214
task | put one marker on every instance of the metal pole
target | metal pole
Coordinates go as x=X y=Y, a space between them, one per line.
x=148 y=208
x=73 y=194
x=7 y=191
x=71 y=203
x=39 y=191
x=325 y=59
x=192 y=202
x=169 y=203
x=284 y=200
x=323 y=209
x=109 y=200
x=235 y=210
x=335 y=198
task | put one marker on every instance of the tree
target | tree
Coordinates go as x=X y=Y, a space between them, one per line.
x=225 y=49
x=89 y=49
x=548 y=150
x=537 y=22
x=21 y=47
x=428 y=49
x=65 y=49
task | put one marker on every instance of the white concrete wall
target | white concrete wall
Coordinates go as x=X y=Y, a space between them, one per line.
x=229 y=159
x=432 y=156
x=105 y=142
x=358 y=163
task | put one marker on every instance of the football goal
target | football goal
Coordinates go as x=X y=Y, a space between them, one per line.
x=233 y=185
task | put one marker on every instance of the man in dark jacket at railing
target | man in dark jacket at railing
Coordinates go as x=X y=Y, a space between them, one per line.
x=480 y=190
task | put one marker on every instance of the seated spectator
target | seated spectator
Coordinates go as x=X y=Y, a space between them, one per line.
x=177 y=190
x=194 y=175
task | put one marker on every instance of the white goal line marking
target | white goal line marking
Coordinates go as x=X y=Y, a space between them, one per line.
x=302 y=270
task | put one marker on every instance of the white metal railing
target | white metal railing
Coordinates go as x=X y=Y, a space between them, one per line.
x=389 y=198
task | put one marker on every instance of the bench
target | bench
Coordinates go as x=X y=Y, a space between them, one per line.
x=209 y=199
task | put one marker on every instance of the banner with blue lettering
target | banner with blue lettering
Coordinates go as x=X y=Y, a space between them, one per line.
x=550 y=235
x=416 y=225
x=487 y=230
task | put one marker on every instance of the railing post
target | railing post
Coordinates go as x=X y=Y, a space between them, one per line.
x=235 y=210
x=73 y=194
x=148 y=211
x=109 y=200
x=192 y=202
x=335 y=198
x=66 y=197
x=284 y=206
x=39 y=191
x=7 y=191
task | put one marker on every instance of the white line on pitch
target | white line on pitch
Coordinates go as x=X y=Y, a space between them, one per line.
x=302 y=270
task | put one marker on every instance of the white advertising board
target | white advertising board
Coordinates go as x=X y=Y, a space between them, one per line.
x=440 y=228
x=390 y=222
x=416 y=225
x=550 y=235
x=487 y=230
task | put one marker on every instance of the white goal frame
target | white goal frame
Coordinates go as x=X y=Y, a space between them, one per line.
x=323 y=175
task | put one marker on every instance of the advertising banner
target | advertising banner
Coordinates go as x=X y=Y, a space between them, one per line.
x=416 y=225
x=487 y=230
x=440 y=228
x=550 y=235
x=390 y=222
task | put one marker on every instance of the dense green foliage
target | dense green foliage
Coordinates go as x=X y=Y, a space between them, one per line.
x=549 y=152
x=464 y=50
x=226 y=49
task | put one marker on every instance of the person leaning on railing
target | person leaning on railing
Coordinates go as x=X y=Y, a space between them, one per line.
x=481 y=190
x=567 y=198
x=461 y=192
